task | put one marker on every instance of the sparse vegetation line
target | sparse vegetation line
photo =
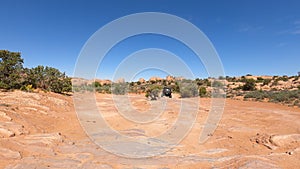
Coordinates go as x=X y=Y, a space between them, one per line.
x=279 y=89
x=14 y=76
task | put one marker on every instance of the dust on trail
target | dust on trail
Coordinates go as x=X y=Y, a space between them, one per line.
x=41 y=130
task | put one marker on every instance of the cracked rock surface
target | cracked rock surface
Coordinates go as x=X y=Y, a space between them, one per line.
x=41 y=130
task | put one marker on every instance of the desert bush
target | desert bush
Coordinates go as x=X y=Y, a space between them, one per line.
x=217 y=84
x=230 y=79
x=202 y=82
x=260 y=80
x=119 y=88
x=249 y=85
x=11 y=66
x=221 y=78
x=106 y=88
x=285 y=78
x=27 y=88
x=155 y=89
x=258 y=95
x=77 y=88
x=14 y=76
x=279 y=97
x=48 y=79
x=188 y=89
x=202 y=92
x=175 y=88
x=266 y=81
x=275 y=83
x=284 y=96
x=296 y=103
x=96 y=84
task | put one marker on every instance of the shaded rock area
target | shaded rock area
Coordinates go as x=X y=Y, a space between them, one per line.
x=41 y=130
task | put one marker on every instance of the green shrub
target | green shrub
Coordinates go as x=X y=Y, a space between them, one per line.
x=106 y=88
x=275 y=83
x=222 y=78
x=14 y=76
x=27 y=88
x=119 y=88
x=188 y=89
x=49 y=79
x=260 y=80
x=152 y=88
x=284 y=96
x=175 y=87
x=296 y=103
x=266 y=81
x=258 y=95
x=217 y=84
x=202 y=92
x=11 y=66
x=249 y=85
x=96 y=84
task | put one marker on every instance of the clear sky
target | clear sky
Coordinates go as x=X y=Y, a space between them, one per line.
x=259 y=37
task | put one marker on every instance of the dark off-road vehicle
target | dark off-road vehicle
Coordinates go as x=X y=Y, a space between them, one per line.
x=166 y=92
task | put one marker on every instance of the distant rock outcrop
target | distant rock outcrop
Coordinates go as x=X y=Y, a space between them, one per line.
x=121 y=80
x=104 y=81
x=155 y=79
x=141 y=80
x=170 y=78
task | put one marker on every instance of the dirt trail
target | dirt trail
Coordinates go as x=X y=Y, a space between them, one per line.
x=41 y=130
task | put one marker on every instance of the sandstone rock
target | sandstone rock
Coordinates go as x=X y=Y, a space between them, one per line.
x=179 y=78
x=46 y=139
x=103 y=82
x=142 y=80
x=266 y=77
x=283 y=140
x=57 y=101
x=133 y=132
x=6 y=133
x=251 y=77
x=121 y=80
x=79 y=81
x=96 y=165
x=5 y=116
x=154 y=79
x=170 y=78
x=215 y=151
x=9 y=154
x=266 y=87
x=41 y=163
x=263 y=139
x=15 y=128
x=258 y=164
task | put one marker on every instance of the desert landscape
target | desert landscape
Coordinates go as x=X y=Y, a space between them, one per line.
x=41 y=130
x=149 y=84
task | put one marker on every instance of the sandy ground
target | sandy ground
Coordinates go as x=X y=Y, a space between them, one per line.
x=41 y=130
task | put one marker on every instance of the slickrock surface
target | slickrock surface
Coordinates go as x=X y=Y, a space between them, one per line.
x=41 y=130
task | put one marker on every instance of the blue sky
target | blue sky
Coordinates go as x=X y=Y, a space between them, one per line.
x=260 y=37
